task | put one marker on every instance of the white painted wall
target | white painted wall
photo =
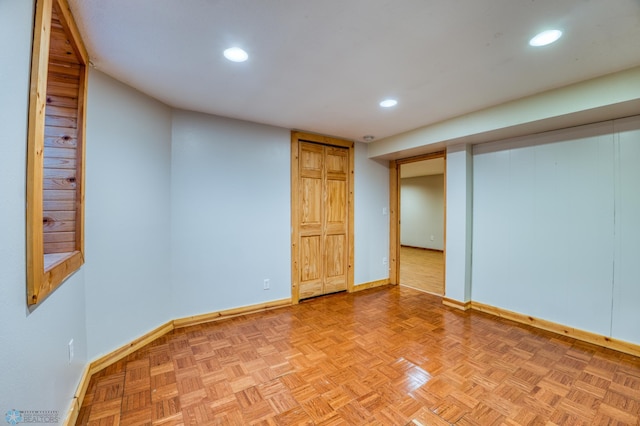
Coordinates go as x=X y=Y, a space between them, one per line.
x=128 y=205
x=459 y=193
x=151 y=255
x=422 y=211
x=36 y=373
x=371 y=232
x=551 y=214
x=231 y=226
x=626 y=290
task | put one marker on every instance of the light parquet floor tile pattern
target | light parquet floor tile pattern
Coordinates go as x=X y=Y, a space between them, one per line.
x=422 y=269
x=385 y=356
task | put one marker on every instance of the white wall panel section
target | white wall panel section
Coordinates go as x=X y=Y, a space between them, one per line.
x=459 y=222
x=543 y=226
x=36 y=373
x=231 y=226
x=371 y=230
x=488 y=228
x=422 y=211
x=128 y=206
x=626 y=311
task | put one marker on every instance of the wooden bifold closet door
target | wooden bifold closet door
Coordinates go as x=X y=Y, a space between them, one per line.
x=323 y=185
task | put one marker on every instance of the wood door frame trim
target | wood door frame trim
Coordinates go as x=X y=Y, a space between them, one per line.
x=296 y=138
x=394 y=212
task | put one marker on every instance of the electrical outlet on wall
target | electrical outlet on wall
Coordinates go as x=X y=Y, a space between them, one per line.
x=385 y=261
x=267 y=284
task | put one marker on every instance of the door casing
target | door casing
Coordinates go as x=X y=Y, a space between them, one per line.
x=296 y=139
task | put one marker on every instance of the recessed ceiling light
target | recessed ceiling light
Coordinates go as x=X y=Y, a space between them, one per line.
x=368 y=138
x=388 y=103
x=235 y=54
x=545 y=37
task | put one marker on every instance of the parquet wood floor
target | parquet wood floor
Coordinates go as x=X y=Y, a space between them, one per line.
x=422 y=269
x=385 y=356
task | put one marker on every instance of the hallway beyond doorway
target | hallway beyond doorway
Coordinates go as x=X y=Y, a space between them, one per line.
x=422 y=269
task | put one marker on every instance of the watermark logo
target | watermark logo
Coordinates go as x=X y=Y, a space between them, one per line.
x=14 y=417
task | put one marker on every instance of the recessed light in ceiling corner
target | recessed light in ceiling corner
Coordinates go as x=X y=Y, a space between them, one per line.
x=546 y=37
x=388 y=103
x=368 y=138
x=235 y=54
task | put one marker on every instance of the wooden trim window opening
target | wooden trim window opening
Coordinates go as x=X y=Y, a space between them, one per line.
x=394 y=216
x=55 y=150
x=322 y=236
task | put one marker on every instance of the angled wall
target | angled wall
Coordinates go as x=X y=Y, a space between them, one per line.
x=230 y=213
x=128 y=210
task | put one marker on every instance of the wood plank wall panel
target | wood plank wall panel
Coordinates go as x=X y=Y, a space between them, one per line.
x=55 y=192
x=60 y=185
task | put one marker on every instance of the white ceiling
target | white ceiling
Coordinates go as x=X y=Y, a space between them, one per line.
x=434 y=166
x=323 y=65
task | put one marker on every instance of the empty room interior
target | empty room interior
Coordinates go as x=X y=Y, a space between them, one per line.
x=320 y=212
x=422 y=212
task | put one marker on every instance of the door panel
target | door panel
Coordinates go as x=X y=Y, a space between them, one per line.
x=334 y=255
x=309 y=252
x=311 y=282
x=337 y=161
x=311 y=290
x=336 y=202
x=311 y=201
x=323 y=219
x=311 y=158
x=335 y=266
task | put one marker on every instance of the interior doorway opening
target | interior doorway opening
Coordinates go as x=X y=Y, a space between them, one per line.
x=418 y=223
